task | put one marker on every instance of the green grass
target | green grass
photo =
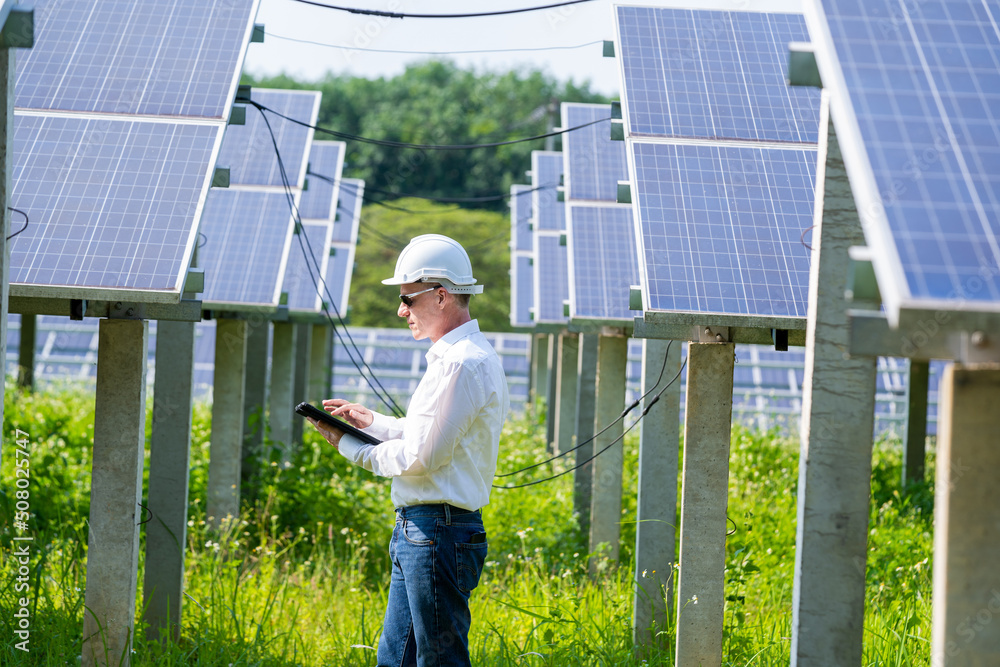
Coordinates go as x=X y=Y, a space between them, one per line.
x=300 y=578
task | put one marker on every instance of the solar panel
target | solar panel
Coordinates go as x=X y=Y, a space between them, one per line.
x=551 y=279
x=721 y=227
x=338 y=278
x=713 y=74
x=245 y=246
x=349 y=203
x=303 y=277
x=915 y=91
x=551 y=283
x=345 y=237
x=326 y=162
x=602 y=262
x=178 y=58
x=521 y=215
x=546 y=176
x=522 y=282
x=248 y=150
x=112 y=203
x=593 y=163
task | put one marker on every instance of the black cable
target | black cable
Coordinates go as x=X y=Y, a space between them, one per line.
x=403 y=144
x=26 y=221
x=387 y=399
x=434 y=53
x=397 y=15
x=610 y=445
x=440 y=200
x=627 y=410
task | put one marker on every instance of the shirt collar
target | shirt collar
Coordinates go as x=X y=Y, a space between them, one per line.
x=438 y=349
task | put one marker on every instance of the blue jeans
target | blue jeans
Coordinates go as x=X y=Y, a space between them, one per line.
x=437 y=554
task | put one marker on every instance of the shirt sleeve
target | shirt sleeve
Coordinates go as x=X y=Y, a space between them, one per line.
x=430 y=433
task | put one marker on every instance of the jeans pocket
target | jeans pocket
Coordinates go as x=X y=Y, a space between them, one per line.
x=470 y=559
x=419 y=530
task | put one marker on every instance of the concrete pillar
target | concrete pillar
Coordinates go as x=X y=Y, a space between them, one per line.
x=282 y=378
x=8 y=74
x=916 y=422
x=551 y=400
x=708 y=414
x=255 y=398
x=606 y=501
x=320 y=363
x=565 y=410
x=586 y=403
x=300 y=383
x=227 y=420
x=116 y=491
x=656 y=514
x=26 y=352
x=539 y=366
x=170 y=446
x=966 y=615
x=838 y=412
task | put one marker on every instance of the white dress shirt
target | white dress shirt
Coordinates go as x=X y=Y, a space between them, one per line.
x=445 y=449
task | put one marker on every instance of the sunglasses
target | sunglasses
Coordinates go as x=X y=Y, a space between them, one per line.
x=407 y=299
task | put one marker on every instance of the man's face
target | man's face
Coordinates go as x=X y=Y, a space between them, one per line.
x=423 y=313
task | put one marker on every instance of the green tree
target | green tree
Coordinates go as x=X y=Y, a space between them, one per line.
x=436 y=102
x=384 y=232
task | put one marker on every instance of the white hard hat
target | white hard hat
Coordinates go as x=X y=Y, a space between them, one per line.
x=433 y=258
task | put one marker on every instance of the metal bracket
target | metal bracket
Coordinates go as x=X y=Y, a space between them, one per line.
x=975 y=347
x=624 y=192
x=609 y=49
x=802 y=68
x=780 y=338
x=18 y=28
x=710 y=334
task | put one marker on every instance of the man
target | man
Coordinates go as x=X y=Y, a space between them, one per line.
x=442 y=458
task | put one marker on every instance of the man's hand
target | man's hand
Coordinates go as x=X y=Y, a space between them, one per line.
x=353 y=413
x=331 y=434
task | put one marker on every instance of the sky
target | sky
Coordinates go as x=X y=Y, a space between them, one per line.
x=565 y=26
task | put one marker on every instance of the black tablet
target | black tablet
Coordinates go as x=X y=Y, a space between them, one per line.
x=307 y=410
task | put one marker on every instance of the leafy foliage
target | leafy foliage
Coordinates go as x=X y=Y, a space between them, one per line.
x=436 y=102
x=484 y=234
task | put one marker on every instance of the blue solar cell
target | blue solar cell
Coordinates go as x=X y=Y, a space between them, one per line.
x=245 y=248
x=551 y=277
x=303 y=276
x=923 y=82
x=593 y=163
x=248 y=150
x=713 y=74
x=721 y=227
x=178 y=58
x=603 y=262
x=345 y=226
x=546 y=175
x=522 y=292
x=520 y=217
x=326 y=162
x=113 y=202
x=338 y=278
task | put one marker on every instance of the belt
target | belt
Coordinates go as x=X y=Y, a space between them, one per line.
x=435 y=509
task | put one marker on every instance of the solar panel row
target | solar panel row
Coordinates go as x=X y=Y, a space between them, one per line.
x=550 y=263
x=915 y=91
x=521 y=256
x=722 y=159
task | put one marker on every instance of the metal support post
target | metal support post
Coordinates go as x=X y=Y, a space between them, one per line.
x=8 y=74
x=701 y=584
x=116 y=491
x=916 y=422
x=606 y=502
x=26 y=352
x=656 y=513
x=227 y=420
x=169 y=454
x=586 y=403
x=551 y=398
x=320 y=363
